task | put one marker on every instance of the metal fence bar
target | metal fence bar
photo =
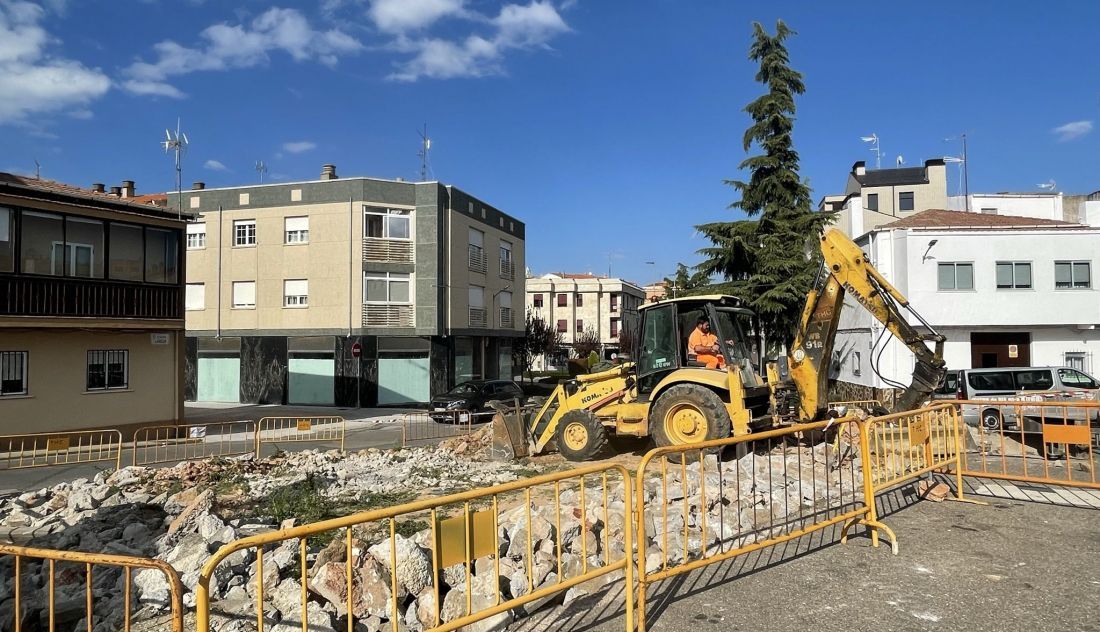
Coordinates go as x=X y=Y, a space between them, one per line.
x=49 y=559
x=430 y=426
x=299 y=429
x=1048 y=442
x=166 y=444
x=865 y=404
x=460 y=543
x=905 y=446
x=838 y=499
x=60 y=448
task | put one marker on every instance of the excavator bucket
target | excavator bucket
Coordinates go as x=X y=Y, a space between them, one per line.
x=510 y=439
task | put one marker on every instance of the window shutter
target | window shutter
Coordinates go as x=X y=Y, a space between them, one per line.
x=244 y=293
x=296 y=287
x=196 y=229
x=297 y=223
x=196 y=296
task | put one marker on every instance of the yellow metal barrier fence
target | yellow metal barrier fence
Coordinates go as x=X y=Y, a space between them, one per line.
x=28 y=564
x=60 y=448
x=296 y=429
x=733 y=496
x=428 y=426
x=1053 y=442
x=907 y=445
x=167 y=444
x=469 y=541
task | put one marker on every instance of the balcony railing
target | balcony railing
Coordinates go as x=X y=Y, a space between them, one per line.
x=507 y=321
x=387 y=316
x=507 y=269
x=477 y=317
x=477 y=259
x=387 y=250
x=88 y=298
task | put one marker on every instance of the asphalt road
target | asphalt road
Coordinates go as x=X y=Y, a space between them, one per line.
x=1008 y=565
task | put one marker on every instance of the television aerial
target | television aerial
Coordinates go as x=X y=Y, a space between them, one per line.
x=177 y=142
x=900 y=160
x=1049 y=185
x=261 y=168
x=876 y=148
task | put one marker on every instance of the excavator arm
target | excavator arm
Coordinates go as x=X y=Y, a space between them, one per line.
x=846 y=269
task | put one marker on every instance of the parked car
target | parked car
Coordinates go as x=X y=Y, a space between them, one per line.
x=473 y=397
x=1022 y=384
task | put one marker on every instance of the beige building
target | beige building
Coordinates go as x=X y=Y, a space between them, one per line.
x=91 y=308
x=574 y=303
x=286 y=283
x=875 y=197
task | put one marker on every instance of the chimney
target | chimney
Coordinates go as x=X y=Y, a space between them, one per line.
x=860 y=168
x=328 y=172
x=116 y=191
x=97 y=187
x=198 y=185
x=127 y=188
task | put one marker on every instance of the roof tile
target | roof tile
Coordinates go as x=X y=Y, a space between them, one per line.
x=939 y=218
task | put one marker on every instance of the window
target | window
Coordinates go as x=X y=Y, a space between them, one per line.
x=872 y=201
x=386 y=287
x=989 y=210
x=1013 y=275
x=614 y=327
x=477 y=297
x=7 y=241
x=614 y=302
x=127 y=253
x=196 y=296
x=561 y=300
x=1072 y=275
x=386 y=223
x=83 y=248
x=40 y=244
x=905 y=201
x=161 y=256
x=296 y=293
x=580 y=326
x=108 y=370
x=956 y=276
x=562 y=327
x=1076 y=379
x=244 y=294
x=297 y=230
x=1075 y=360
x=1035 y=380
x=537 y=300
x=13 y=373
x=505 y=252
x=992 y=381
x=196 y=236
x=244 y=232
x=580 y=300
x=857 y=366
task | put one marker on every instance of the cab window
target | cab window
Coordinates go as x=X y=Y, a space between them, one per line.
x=659 y=342
x=1076 y=379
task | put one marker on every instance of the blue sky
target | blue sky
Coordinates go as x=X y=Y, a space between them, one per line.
x=607 y=126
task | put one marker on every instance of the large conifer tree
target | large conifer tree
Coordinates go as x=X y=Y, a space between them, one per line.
x=764 y=258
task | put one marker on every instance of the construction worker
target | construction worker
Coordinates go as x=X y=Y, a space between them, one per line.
x=704 y=345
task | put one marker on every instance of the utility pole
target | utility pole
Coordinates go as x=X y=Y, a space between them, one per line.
x=966 y=174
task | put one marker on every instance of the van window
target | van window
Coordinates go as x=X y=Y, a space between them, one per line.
x=992 y=381
x=1076 y=379
x=1037 y=380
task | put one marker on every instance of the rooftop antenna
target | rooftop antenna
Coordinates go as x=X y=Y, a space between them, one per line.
x=37 y=170
x=965 y=166
x=900 y=160
x=177 y=143
x=425 y=146
x=876 y=148
x=261 y=169
x=1049 y=185
x=961 y=162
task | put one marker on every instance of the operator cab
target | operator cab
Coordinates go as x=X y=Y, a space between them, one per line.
x=666 y=325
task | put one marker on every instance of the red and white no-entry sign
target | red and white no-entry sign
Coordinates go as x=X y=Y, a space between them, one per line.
x=356 y=349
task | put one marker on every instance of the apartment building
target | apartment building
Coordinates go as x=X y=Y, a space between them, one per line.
x=874 y=197
x=91 y=308
x=347 y=291
x=574 y=303
x=1004 y=290
x=1081 y=209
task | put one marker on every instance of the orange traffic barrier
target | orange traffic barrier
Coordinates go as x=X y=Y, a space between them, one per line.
x=429 y=427
x=300 y=429
x=905 y=446
x=168 y=444
x=60 y=448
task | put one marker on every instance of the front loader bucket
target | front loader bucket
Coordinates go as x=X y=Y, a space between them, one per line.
x=509 y=433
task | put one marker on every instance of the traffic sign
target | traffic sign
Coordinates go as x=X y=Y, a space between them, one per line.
x=356 y=350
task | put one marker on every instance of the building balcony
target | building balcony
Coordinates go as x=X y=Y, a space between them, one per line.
x=477 y=259
x=477 y=317
x=507 y=269
x=507 y=320
x=88 y=298
x=380 y=249
x=387 y=315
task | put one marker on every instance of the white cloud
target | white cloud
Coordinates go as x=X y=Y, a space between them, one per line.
x=33 y=81
x=223 y=47
x=515 y=27
x=298 y=147
x=214 y=165
x=1071 y=131
x=401 y=16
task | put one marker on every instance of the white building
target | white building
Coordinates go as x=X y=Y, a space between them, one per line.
x=574 y=303
x=1083 y=209
x=1004 y=290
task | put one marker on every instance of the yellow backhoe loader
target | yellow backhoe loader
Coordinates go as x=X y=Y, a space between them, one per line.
x=667 y=393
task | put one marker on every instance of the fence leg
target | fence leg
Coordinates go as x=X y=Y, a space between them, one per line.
x=871 y=520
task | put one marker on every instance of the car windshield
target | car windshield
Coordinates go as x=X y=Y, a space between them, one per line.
x=469 y=388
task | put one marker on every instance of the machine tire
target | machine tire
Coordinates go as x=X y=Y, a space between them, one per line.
x=580 y=436
x=688 y=398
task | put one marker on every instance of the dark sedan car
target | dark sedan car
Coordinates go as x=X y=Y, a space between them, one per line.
x=472 y=397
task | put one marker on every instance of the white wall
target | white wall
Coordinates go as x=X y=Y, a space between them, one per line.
x=1091 y=215
x=1040 y=205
